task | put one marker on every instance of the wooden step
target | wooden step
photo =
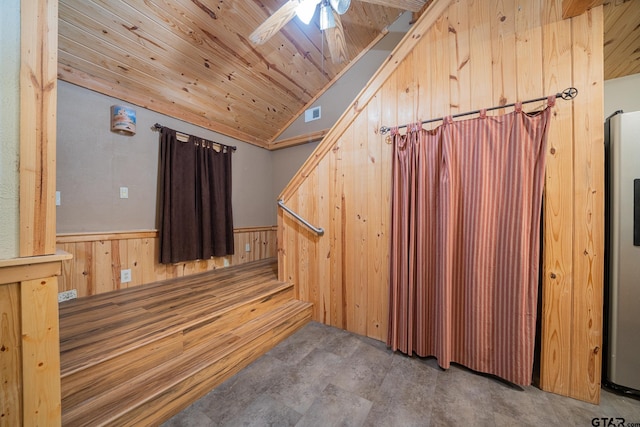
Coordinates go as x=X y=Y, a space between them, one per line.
x=171 y=386
x=98 y=374
x=145 y=353
x=134 y=318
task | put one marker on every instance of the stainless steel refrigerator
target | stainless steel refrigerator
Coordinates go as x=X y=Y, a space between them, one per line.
x=622 y=270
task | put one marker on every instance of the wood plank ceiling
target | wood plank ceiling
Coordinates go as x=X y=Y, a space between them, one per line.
x=192 y=59
x=621 y=38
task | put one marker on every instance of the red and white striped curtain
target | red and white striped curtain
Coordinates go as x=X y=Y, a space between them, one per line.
x=466 y=239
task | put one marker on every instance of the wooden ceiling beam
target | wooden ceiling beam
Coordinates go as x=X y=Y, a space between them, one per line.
x=571 y=8
x=298 y=140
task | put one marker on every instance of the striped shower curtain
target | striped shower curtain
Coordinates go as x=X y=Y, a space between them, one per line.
x=465 y=241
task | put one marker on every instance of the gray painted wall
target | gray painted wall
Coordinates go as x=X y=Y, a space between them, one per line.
x=9 y=128
x=622 y=94
x=93 y=163
x=338 y=97
x=286 y=163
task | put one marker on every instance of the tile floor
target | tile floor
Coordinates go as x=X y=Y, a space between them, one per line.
x=323 y=376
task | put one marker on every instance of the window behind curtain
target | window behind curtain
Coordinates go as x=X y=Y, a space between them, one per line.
x=195 y=214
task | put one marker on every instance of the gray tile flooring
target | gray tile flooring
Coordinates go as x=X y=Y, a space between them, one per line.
x=323 y=376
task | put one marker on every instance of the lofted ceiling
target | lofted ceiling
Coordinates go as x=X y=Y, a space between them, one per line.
x=193 y=60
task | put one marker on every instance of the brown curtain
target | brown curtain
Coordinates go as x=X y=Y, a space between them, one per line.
x=195 y=215
x=465 y=241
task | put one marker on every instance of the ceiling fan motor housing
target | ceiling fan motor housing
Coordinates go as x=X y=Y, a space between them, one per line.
x=340 y=6
x=326 y=17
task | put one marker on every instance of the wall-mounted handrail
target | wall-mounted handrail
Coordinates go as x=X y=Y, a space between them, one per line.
x=318 y=230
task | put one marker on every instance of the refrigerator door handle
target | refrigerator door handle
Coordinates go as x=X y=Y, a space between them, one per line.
x=636 y=212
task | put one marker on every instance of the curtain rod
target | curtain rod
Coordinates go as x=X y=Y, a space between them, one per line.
x=566 y=94
x=158 y=126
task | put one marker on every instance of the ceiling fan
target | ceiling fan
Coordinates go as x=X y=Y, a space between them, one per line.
x=330 y=24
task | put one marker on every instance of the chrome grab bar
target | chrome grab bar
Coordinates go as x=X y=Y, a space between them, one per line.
x=319 y=231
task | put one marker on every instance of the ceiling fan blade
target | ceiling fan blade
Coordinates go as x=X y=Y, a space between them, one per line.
x=412 y=5
x=336 y=41
x=275 y=22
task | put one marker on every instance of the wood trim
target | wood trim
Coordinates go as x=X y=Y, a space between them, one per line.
x=404 y=48
x=58 y=256
x=110 y=235
x=20 y=273
x=30 y=268
x=258 y=228
x=573 y=8
x=134 y=234
x=38 y=98
x=328 y=85
x=298 y=140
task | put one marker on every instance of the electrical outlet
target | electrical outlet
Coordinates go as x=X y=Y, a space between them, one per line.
x=67 y=295
x=125 y=276
x=247 y=247
x=124 y=192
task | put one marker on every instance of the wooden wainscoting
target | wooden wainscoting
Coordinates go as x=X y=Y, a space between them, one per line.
x=98 y=258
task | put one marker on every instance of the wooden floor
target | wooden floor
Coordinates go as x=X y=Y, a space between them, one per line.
x=142 y=354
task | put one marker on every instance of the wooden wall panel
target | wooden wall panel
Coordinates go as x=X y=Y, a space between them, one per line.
x=41 y=352
x=588 y=220
x=38 y=97
x=491 y=53
x=377 y=255
x=557 y=274
x=10 y=356
x=98 y=259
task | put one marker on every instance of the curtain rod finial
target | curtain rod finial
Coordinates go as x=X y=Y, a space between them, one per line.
x=568 y=93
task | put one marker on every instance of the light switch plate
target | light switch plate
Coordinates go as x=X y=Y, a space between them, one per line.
x=124 y=192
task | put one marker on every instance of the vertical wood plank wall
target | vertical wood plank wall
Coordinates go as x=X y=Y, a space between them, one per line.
x=477 y=54
x=29 y=336
x=98 y=258
x=29 y=341
x=11 y=355
x=38 y=97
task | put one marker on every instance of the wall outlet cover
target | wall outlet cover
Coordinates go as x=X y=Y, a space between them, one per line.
x=67 y=295
x=125 y=276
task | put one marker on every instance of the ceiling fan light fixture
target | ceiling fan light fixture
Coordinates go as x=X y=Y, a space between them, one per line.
x=340 y=6
x=306 y=9
x=326 y=17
